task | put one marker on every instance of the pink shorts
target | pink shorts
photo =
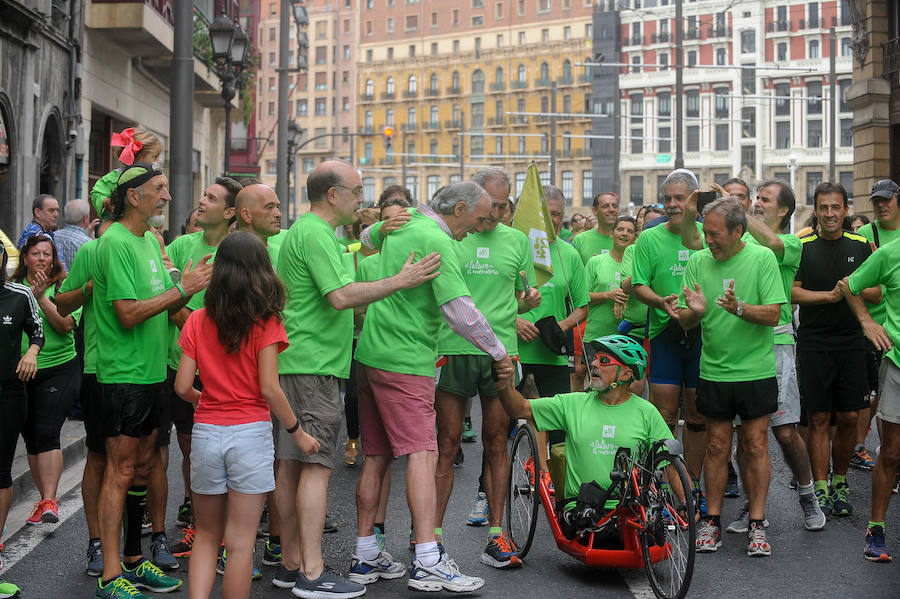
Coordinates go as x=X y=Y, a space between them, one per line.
x=396 y=412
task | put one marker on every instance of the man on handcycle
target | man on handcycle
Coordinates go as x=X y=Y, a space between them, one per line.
x=597 y=421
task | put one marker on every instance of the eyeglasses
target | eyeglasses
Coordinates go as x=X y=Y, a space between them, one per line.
x=590 y=355
x=658 y=207
x=357 y=191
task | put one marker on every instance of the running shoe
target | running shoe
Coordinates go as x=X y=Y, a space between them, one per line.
x=840 y=500
x=146 y=524
x=379 y=536
x=501 y=552
x=709 y=536
x=255 y=573
x=731 y=487
x=742 y=522
x=162 y=553
x=46 y=511
x=813 y=516
x=365 y=571
x=94 y=558
x=700 y=501
x=284 y=578
x=468 y=433
x=460 y=459
x=861 y=459
x=824 y=501
x=330 y=525
x=186 y=513
x=480 y=511
x=443 y=575
x=8 y=589
x=118 y=588
x=328 y=584
x=271 y=554
x=757 y=545
x=145 y=575
x=876 y=548
x=793 y=484
x=351 y=452
x=182 y=548
x=263 y=530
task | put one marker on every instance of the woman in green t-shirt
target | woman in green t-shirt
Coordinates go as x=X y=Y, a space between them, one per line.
x=53 y=390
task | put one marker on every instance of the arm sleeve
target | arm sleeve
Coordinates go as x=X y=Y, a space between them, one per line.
x=627 y=261
x=79 y=274
x=640 y=266
x=326 y=264
x=771 y=290
x=578 y=282
x=549 y=413
x=793 y=249
x=270 y=333
x=468 y=322
x=33 y=324
x=103 y=188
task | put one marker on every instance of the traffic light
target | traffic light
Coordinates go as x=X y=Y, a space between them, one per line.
x=388 y=138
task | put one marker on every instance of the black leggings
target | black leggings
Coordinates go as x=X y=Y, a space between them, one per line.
x=51 y=395
x=13 y=408
x=550 y=380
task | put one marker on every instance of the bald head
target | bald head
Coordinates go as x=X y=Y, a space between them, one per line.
x=258 y=211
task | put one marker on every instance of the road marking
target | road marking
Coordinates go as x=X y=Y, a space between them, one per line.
x=30 y=536
x=637 y=583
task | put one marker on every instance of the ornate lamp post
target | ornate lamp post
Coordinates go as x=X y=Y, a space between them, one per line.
x=229 y=45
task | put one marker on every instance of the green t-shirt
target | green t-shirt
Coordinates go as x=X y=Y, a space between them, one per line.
x=635 y=309
x=567 y=266
x=603 y=274
x=883 y=267
x=490 y=263
x=80 y=273
x=58 y=348
x=564 y=234
x=129 y=267
x=273 y=245
x=367 y=268
x=186 y=247
x=659 y=261
x=400 y=332
x=310 y=266
x=879 y=310
x=734 y=349
x=787 y=267
x=595 y=431
x=591 y=243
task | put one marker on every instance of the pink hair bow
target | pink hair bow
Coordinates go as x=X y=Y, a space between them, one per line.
x=130 y=146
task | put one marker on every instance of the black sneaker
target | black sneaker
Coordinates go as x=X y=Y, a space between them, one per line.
x=460 y=459
x=330 y=525
x=284 y=578
x=94 y=558
x=328 y=584
x=186 y=513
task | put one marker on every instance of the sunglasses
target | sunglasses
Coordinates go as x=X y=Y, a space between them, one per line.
x=590 y=355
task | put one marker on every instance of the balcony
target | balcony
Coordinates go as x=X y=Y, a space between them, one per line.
x=454 y=90
x=411 y=126
x=145 y=27
x=542 y=82
x=783 y=26
x=367 y=97
x=891 y=50
x=691 y=33
x=496 y=121
x=718 y=32
x=388 y=96
x=431 y=125
x=498 y=86
x=564 y=80
x=453 y=124
x=637 y=40
x=519 y=84
x=660 y=38
x=410 y=94
x=432 y=91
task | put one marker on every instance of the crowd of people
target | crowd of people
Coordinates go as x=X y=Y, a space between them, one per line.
x=257 y=343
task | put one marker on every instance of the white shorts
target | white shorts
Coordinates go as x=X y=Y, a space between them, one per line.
x=889 y=391
x=240 y=457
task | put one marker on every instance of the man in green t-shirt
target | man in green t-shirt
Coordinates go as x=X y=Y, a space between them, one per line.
x=491 y=262
x=257 y=210
x=604 y=276
x=132 y=295
x=318 y=319
x=592 y=242
x=881 y=268
x=732 y=288
x=396 y=354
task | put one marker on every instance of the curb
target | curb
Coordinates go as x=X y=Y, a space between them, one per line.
x=73 y=449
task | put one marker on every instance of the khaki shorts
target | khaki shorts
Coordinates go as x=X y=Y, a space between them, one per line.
x=316 y=401
x=889 y=391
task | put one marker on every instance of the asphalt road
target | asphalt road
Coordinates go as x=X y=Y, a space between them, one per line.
x=48 y=560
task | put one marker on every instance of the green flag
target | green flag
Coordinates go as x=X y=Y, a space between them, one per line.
x=533 y=219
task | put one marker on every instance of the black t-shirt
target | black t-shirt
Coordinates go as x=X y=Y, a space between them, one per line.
x=825 y=262
x=18 y=314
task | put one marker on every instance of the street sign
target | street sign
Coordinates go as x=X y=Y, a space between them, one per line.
x=663 y=158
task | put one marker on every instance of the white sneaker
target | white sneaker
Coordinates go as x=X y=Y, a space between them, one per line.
x=443 y=575
x=366 y=571
x=480 y=511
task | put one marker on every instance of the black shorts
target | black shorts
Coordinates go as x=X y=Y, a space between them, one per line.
x=873 y=365
x=51 y=394
x=181 y=412
x=833 y=381
x=13 y=409
x=748 y=399
x=91 y=407
x=130 y=410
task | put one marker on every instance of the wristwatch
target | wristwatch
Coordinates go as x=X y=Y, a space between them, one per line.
x=740 y=309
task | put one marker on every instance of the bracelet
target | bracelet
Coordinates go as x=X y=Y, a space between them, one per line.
x=84 y=289
x=181 y=289
x=294 y=428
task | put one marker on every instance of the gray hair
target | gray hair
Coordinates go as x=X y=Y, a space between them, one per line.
x=492 y=173
x=446 y=199
x=75 y=211
x=554 y=192
x=729 y=207
x=682 y=175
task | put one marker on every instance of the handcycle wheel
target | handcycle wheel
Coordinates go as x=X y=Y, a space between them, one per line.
x=523 y=497
x=670 y=526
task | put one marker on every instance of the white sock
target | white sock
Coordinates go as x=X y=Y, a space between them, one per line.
x=805 y=489
x=428 y=554
x=367 y=547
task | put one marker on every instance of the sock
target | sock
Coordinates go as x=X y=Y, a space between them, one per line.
x=93 y=541
x=379 y=527
x=156 y=535
x=859 y=446
x=274 y=540
x=438 y=534
x=494 y=530
x=135 y=502
x=759 y=523
x=428 y=554
x=837 y=479
x=821 y=485
x=716 y=520
x=367 y=547
x=873 y=524
x=805 y=489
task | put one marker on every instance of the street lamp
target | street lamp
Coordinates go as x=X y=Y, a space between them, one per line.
x=230 y=45
x=295 y=134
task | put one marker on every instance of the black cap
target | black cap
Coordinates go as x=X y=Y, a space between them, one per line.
x=884 y=189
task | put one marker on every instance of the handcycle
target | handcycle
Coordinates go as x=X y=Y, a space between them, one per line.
x=652 y=527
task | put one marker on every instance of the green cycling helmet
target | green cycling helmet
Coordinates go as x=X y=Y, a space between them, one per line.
x=623 y=347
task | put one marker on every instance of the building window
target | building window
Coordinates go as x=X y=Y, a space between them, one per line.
x=412 y=22
x=665 y=141
x=567 y=33
x=390 y=53
x=692 y=138
x=478 y=82
x=520 y=74
x=499 y=10
x=346 y=52
x=499 y=40
x=477 y=20
x=521 y=146
x=321 y=81
x=389 y=26
x=433 y=114
x=412 y=184
x=433 y=150
x=521 y=38
x=721 y=138
x=271 y=109
x=434 y=19
x=456 y=16
x=477 y=119
x=843 y=84
x=814 y=134
x=321 y=107
x=748 y=42
x=390 y=86
x=272 y=62
x=846 y=180
x=637 y=141
x=721 y=95
x=813 y=49
x=432 y=183
x=369 y=189
x=369 y=55
x=748 y=80
x=721 y=56
x=636 y=190
x=637 y=106
x=302 y=108
x=781 y=52
x=411 y=117
x=846 y=47
x=389 y=117
x=748 y=157
x=321 y=30
x=692 y=103
x=664 y=104
x=782 y=103
x=846 y=133
x=271 y=167
x=543 y=6
x=498 y=145
x=587 y=187
x=568 y=186
x=663 y=61
x=814 y=90
x=309 y=164
x=454 y=82
x=412 y=85
x=367 y=120
x=748 y=122
x=782 y=135
x=813 y=179
x=692 y=58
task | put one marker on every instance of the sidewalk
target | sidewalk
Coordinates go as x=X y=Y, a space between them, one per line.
x=71 y=439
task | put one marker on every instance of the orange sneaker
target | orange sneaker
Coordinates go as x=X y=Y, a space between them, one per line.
x=45 y=511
